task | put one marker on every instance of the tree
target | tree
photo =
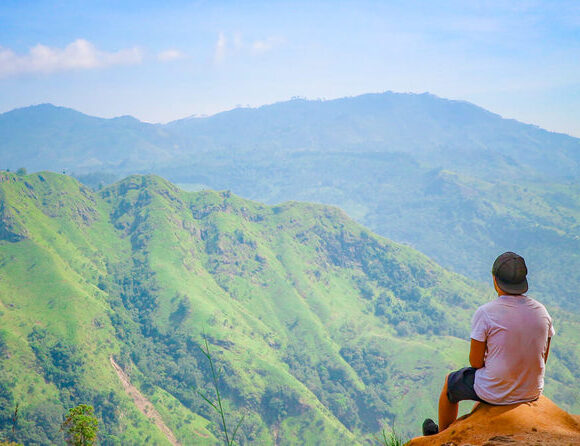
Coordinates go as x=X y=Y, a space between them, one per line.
x=81 y=426
x=21 y=172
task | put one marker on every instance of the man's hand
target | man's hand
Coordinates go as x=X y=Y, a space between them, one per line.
x=477 y=354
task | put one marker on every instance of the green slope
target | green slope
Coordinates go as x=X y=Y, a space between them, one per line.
x=455 y=181
x=461 y=221
x=324 y=331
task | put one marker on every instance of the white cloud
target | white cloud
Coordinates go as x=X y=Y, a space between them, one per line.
x=238 y=43
x=234 y=44
x=220 y=48
x=78 y=55
x=169 y=55
x=262 y=46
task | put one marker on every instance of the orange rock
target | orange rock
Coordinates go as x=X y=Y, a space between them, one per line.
x=539 y=422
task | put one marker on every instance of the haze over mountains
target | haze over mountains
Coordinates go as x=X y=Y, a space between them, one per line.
x=457 y=182
x=435 y=131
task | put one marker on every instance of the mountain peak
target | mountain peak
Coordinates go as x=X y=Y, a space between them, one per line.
x=46 y=111
x=126 y=119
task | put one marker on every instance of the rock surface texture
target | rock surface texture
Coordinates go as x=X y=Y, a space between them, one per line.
x=539 y=422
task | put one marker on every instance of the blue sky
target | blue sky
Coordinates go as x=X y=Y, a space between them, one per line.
x=163 y=60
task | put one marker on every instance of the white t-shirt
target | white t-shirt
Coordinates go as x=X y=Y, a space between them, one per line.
x=516 y=329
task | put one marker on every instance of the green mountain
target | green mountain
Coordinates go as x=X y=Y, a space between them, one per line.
x=324 y=331
x=455 y=181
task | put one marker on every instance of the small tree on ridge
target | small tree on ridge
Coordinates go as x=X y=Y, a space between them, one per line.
x=81 y=426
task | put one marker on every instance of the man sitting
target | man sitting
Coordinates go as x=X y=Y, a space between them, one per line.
x=510 y=342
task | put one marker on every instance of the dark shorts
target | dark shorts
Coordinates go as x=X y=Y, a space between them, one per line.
x=460 y=385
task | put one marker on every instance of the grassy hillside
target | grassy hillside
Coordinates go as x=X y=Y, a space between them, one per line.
x=461 y=221
x=455 y=181
x=324 y=331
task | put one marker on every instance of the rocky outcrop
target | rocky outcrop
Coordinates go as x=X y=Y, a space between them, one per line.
x=539 y=422
x=10 y=230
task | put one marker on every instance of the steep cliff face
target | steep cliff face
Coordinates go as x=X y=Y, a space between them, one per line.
x=539 y=422
x=10 y=229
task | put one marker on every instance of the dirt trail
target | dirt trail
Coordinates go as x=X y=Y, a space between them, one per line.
x=144 y=405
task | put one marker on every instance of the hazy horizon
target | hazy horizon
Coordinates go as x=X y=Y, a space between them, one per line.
x=162 y=62
x=241 y=106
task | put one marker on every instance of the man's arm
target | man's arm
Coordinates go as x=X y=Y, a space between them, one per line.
x=477 y=354
x=547 y=351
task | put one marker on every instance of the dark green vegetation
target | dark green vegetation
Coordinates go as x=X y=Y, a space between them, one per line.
x=325 y=333
x=455 y=181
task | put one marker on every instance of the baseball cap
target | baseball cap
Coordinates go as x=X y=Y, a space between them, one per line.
x=510 y=271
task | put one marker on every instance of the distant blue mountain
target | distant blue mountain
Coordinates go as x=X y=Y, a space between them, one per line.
x=55 y=138
x=438 y=132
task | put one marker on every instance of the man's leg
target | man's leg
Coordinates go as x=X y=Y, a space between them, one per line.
x=447 y=410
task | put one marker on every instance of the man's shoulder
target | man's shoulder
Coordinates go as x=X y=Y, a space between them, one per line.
x=488 y=305
x=535 y=302
x=482 y=313
x=538 y=306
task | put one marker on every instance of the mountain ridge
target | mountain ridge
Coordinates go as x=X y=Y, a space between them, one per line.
x=370 y=104
x=446 y=177
x=193 y=117
x=388 y=188
x=324 y=331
